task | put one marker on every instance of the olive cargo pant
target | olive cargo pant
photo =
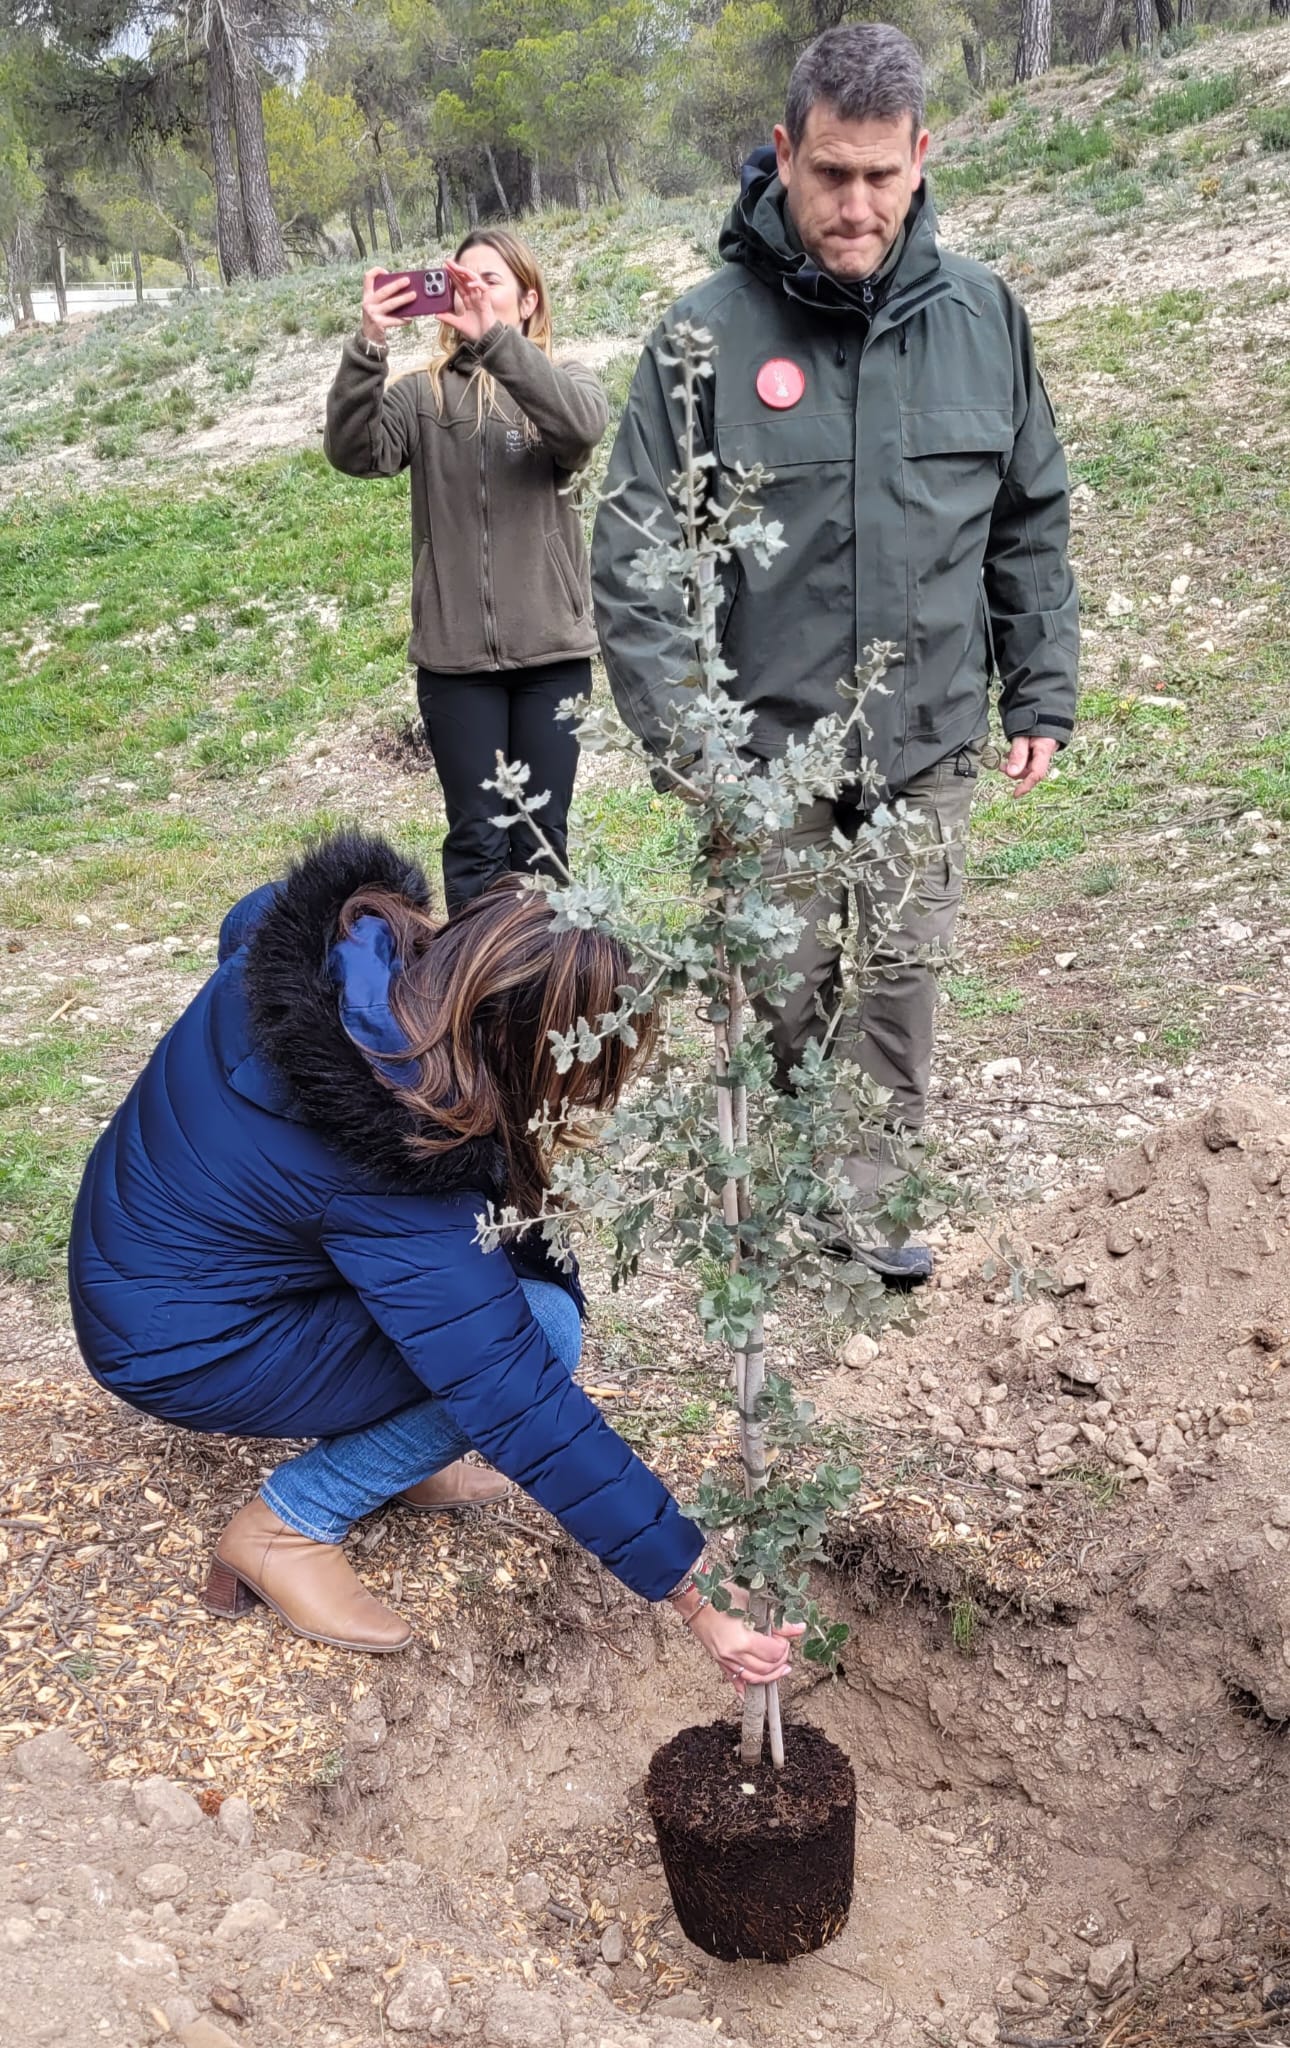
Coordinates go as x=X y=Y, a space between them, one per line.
x=889 y=1035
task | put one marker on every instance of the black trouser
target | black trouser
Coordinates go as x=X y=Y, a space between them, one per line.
x=469 y=719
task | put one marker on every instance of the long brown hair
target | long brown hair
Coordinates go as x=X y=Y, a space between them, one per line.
x=478 y=999
x=527 y=271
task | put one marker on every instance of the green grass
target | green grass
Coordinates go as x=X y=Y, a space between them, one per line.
x=974 y=997
x=965 y=1625
x=187 y=635
x=1272 y=126
x=1188 y=105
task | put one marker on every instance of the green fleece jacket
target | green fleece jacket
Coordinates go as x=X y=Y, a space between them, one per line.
x=918 y=478
x=499 y=569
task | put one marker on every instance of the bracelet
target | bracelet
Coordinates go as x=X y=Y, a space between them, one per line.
x=688 y=1585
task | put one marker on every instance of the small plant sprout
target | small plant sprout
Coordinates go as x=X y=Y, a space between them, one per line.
x=710 y=1160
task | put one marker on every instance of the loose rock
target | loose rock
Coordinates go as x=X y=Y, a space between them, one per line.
x=237 y=1822
x=1128 y=1175
x=419 y=1999
x=162 y=1881
x=163 y=1805
x=532 y=1892
x=249 y=1916
x=52 y=1756
x=1110 y=1969
x=149 y=1958
x=859 y=1351
x=522 y=2019
x=613 y=1944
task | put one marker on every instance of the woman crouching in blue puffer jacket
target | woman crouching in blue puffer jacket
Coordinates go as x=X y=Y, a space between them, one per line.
x=276 y=1236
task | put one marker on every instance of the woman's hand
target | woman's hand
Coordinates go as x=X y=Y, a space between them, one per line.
x=473 y=315
x=381 y=305
x=746 y=1657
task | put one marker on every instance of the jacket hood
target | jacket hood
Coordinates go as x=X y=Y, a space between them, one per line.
x=759 y=234
x=317 y=1001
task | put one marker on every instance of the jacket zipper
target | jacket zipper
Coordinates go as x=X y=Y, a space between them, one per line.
x=490 y=619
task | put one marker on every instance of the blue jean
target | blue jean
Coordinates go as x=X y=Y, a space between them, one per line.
x=324 y=1491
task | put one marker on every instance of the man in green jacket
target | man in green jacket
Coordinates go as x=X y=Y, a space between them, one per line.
x=891 y=390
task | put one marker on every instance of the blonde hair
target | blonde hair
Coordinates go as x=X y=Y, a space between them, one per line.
x=527 y=272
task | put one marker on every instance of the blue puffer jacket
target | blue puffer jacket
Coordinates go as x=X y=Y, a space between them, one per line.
x=257 y=1251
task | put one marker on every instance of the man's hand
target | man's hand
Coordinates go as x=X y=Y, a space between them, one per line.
x=1028 y=763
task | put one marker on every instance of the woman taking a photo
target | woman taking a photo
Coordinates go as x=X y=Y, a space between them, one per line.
x=276 y=1236
x=492 y=430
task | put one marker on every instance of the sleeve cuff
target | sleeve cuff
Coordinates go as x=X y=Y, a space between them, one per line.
x=1026 y=726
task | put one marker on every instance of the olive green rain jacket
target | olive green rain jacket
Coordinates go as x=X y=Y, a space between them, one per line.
x=918 y=478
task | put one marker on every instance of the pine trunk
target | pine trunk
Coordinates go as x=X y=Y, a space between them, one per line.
x=1165 y=15
x=472 y=207
x=60 y=281
x=389 y=205
x=1035 y=42
x=611 y=165
x=1098 y=33
x=263 y=232
x=136 y=264
x=1145 y=20
x=580 y=186
x=1279 y=10
x=357 y=233
x=535 y=185
x=496 y=176
x=369 y=207
x=230 y=226
x=1186 y=13
x=442 y=206
x=192 y=282
x=973 y=48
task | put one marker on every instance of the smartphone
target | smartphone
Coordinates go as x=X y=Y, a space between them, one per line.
x=433 y=288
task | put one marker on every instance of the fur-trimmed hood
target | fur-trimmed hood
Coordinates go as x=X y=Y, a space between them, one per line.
x=295 y=988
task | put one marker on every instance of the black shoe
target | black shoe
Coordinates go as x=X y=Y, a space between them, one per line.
x=897 y=1266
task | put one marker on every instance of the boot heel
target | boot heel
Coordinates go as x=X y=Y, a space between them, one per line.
x=225 y=1594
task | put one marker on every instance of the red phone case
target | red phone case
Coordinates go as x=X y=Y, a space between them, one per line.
x=433 y=288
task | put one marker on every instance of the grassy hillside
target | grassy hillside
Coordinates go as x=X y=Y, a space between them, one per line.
x=202 y=627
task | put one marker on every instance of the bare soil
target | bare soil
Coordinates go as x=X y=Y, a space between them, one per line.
x=1065 y=1699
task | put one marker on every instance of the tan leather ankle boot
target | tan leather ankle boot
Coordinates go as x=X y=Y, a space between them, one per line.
x=457 y=1486
x=311 y=1586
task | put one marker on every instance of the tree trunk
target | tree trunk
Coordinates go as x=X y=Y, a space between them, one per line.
x=535 y=185
x=973 y=48
x=263 y=232
x=1165 y=15
x=496 y=176
x=1145 y=22
x=472 y=207
x=136 y=264
x=1186 y=13
x=1035 y=42
x=443 y=226
x=357 y=233
x=1098 y=34
x=580 y=186
x=611 y=165
x=389 y=205
x=369 y=207
x=230 y=226
x=192 y=282
x=1279 y=10
x=59 y=267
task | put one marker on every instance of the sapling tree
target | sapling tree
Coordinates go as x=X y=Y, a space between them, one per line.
x=708 y=1158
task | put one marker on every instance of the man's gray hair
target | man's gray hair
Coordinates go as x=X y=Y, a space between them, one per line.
x=866 y=72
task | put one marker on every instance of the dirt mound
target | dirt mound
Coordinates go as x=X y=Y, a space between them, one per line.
x=1139 y=1325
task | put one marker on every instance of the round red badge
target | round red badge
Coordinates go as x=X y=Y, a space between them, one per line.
x=780 y=383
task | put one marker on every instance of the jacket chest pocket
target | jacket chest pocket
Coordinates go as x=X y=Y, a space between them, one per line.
x=786 y=442
x=955 y=458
